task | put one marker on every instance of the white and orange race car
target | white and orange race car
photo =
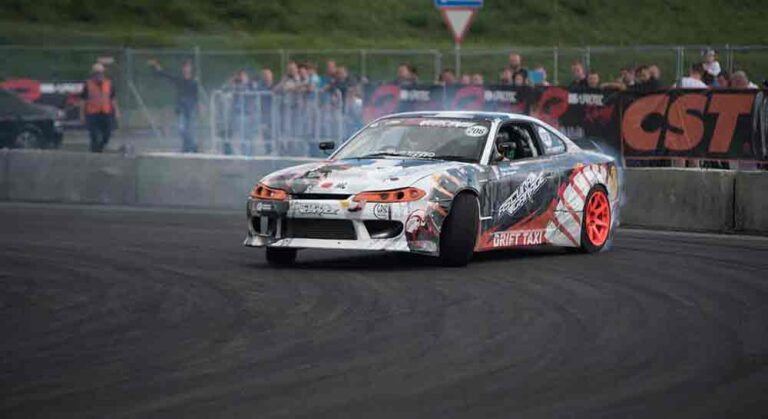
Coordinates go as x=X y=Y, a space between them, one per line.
x=444 y=184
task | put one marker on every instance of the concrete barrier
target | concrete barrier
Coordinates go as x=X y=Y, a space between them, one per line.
x=679 y=199
x=752 y=204
x=56 y=176
x=201 y=181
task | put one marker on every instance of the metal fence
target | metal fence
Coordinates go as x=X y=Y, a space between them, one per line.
x=148 y=101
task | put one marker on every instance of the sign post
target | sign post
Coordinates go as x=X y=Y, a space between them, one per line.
x=458 y=15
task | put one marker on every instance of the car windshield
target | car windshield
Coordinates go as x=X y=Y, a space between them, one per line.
x=419 y=138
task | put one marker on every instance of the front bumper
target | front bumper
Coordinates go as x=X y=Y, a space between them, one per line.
x=337 y=224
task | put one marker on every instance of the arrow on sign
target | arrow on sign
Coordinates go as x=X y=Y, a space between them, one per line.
x=458 y=20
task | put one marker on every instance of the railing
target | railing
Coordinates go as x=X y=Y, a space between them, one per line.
x=251 y=122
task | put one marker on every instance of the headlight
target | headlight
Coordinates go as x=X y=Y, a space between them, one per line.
x=262 y=191
x=393 y=196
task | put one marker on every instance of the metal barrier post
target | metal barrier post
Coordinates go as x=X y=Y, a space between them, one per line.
x=556 y=59
x=363 y=66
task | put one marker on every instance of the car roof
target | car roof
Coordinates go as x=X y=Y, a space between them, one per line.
x=475 y=115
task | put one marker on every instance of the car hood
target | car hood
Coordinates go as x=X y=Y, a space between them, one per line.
x=351 y=176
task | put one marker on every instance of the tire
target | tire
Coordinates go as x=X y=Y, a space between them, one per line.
x=277 y=256
x=597 y=221
x=459 y=231
x=29 y=137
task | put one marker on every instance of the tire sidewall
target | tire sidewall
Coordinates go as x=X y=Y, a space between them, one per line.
x=586 y=243
x=458 y=234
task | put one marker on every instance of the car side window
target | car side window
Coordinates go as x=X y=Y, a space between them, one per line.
x=552 y=143
x=519 y=141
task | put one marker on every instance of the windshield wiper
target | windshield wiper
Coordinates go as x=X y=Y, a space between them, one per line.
x=390 y=154
x=454 y=158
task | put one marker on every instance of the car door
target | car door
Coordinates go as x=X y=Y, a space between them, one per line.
x=518 y=191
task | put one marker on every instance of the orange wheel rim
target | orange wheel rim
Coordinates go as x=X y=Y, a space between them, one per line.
x=598 y=218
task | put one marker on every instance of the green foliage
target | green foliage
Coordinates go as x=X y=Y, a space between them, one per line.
x=381 y=23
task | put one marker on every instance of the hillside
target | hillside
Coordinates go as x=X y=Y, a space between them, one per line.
x=381 y=23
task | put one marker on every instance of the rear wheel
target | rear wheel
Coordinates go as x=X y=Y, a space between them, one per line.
x=277 y=256
x=459 y=231
x=596 y=222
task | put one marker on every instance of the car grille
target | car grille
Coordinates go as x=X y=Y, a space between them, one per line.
x=307 y=228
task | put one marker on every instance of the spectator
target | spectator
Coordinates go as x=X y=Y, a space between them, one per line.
x=187 y=88
x=593 y=80
x=291 y=81
x=579 y=75
x=330 y=73
x=506 y=77
x=267 y=79
x=340 y=85
x=627 y=76
x=644 y=82
x=655 y=73
x=708 y=79
x=405 y=75
x=309 y=78
x=710 y=63
x=739 y=80
x=520 y=78
x=693 y=81
x=538 y=76
x=98 y=109
x=477 y=80
x=515 y=63
x=240 y=115
x=447 y=78
x=723 y=80
x=465 y=80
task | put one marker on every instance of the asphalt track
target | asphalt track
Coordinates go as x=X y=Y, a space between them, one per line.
x=132 y=313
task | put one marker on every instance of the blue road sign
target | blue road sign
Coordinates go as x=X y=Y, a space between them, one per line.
x=474 y=4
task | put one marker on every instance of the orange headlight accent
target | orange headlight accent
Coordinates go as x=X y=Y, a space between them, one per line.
x=262 y=191
x=397 y=195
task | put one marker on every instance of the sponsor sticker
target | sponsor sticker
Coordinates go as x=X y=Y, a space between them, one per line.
x=523 y=193
x=518 y=238
x=476 y=131
x=382 y=211
x=259 y=207
x=445 y=123
x=309 y=208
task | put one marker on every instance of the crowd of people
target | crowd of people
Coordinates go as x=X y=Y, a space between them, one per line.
x=330 y=102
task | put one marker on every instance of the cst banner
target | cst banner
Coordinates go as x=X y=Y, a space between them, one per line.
x=711 y=124
x=674 y=124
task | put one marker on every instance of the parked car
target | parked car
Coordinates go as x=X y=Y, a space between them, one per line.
x=28 y=125
x=443 y=184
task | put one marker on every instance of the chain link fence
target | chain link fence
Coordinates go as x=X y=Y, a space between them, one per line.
x=148 y=101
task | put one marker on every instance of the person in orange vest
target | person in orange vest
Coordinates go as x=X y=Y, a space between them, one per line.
x=99 y=108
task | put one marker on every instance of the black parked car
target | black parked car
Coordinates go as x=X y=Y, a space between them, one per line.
x=27 y=125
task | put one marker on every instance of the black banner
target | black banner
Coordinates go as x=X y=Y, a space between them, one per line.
x=711 y=124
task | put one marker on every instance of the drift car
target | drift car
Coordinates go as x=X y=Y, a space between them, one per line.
x=443 y=184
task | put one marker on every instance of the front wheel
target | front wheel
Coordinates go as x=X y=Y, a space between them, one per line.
x=459 y=231
x=596 y=222
x=28 y=137
x=277 y=256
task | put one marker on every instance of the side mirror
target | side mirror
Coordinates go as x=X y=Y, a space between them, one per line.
x=327 y=146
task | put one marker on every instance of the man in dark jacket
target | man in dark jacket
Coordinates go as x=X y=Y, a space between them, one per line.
x=187 y=88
